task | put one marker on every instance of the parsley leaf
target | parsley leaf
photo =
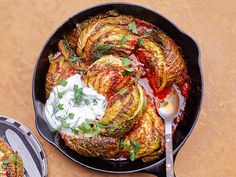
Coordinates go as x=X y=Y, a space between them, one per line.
x=60 y=106
x=123 y=39
x=60 y=94
x=50 y=57
x=85 y=127
x=126 y=61
x=5 y=163
x=100 y=50
x=71 y=115
x=64 y=123
x=140 y=41
x=134 y=150
x=132 y=27
x=78 y=94
x=95 y=102
x=74 y=59
x=73 y=56
x=63 y=82
x=130 y=69
x=74 y=130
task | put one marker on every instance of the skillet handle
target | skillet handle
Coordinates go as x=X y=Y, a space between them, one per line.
x=159 y=171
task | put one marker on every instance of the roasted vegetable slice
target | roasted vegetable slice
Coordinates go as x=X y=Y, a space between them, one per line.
x=152 y=56
x=148 y=133
x=98 y=146
x=95 y=25
x=122 y=110
x=105 y=75
x=11 y=164
x=58 y=69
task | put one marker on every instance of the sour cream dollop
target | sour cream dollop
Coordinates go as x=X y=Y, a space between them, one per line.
x=71 y=103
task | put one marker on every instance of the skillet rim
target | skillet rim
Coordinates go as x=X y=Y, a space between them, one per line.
x=198 y=108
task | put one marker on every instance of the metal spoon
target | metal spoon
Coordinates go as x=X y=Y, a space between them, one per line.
x=168 y=112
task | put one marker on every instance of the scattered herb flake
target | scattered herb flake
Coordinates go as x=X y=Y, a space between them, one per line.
x=60 y=94
x=132 y=27
x=85 y=127
x=95 y=102
x=87 y=102
x=74 y=59
x=63 y=82
x=74 y=130
x=100 y=50
x=78 y=94
x=140 y=41
x=50 y=57
x=60 y=106
x=73 y=56
x=71 y=115
x=123 y=39
x=64 y=123
x=130 y=69
x=126 y=61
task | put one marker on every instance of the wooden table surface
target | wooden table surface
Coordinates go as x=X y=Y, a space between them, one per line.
x=211 y=149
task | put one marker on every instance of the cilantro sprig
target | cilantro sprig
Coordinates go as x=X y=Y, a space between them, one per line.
x=73 y=57
x=132 y=26
x=91 y=127
x=132 y=146
x=100 y=50
x=126 y=62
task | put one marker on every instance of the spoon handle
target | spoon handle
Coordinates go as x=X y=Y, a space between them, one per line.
x=169 y=149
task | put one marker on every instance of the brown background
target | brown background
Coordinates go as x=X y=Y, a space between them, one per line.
x=211 y=149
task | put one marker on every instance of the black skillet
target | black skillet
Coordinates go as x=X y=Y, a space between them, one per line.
x=191 y=54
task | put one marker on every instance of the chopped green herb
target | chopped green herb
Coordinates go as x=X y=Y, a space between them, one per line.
x=122 y=144
x=63 y=82
x=126 y=61
x=140 y=41
x=134 y=150
x=85 y=127
x=5 y=163
x=60 y=94
x=100 y=50
x=125 y=73
x=50 y=57
x=73 y=56
x=95 y=102
x=99 y=125
x=64 y=123
x=74 y=130
x=15 y=160
x=71 y=115
x=130 y=69
x=132 y=155
x=87 y=102
x=132 y=27
x=123 y=39
x=78 y=94
x=74 y=59
x=60 y=106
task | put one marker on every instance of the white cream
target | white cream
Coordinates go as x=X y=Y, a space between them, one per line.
x=93 y=109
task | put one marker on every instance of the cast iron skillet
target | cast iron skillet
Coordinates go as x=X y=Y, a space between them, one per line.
x=191 y=54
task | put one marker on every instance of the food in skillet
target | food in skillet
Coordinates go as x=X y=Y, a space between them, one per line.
x=11 y=164
x=105 y=83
